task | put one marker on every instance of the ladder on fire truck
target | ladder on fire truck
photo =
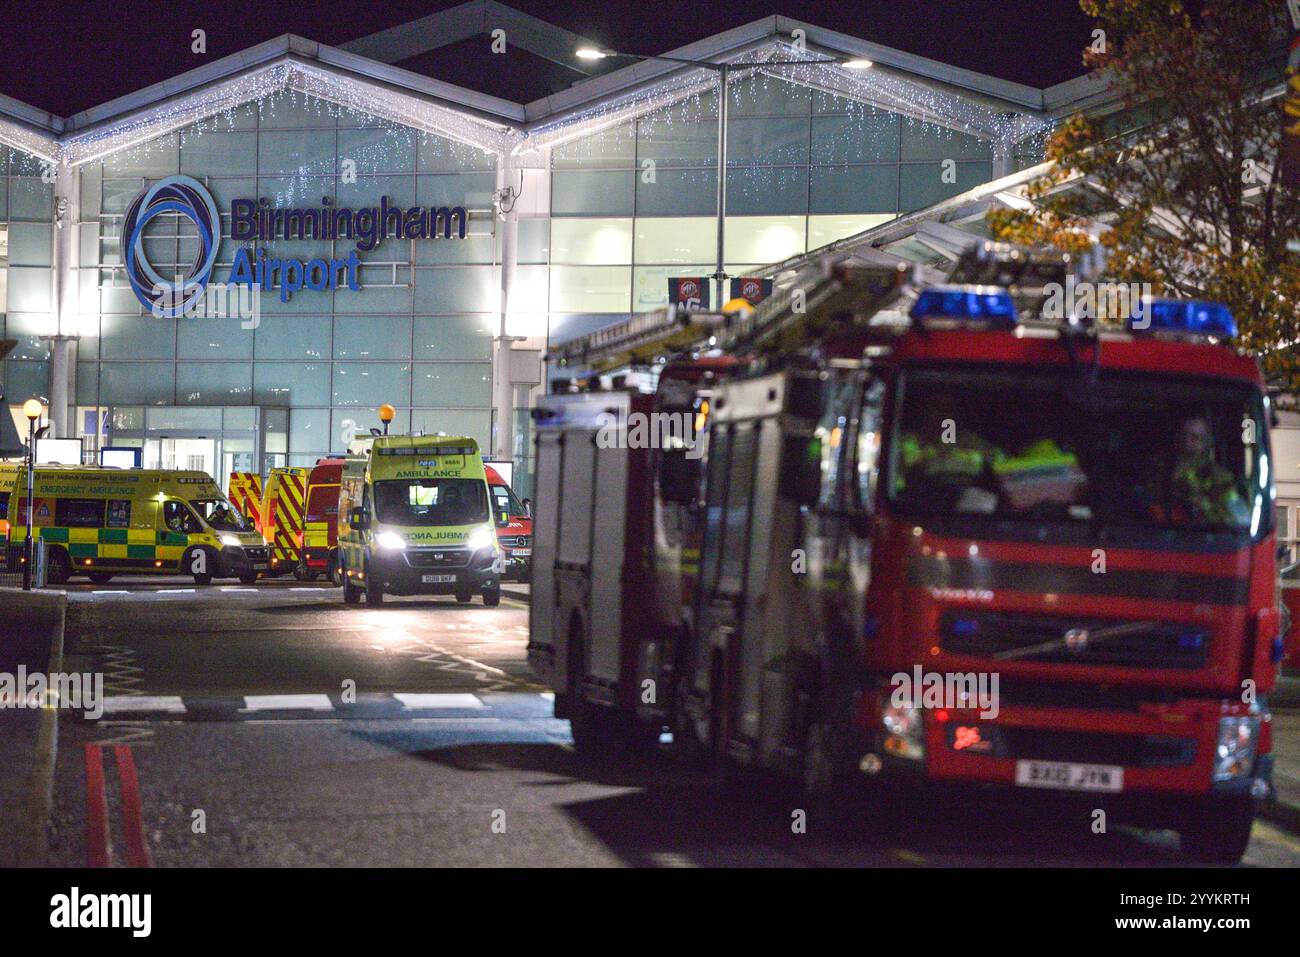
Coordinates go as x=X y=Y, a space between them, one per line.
x=836 y=296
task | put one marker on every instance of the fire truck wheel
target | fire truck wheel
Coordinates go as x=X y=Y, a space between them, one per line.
x=593 y=727
x=464 y=596
x=1221 y=835
x=100 y=578
x=301 y=573
x=492 y=596
x=247 y=578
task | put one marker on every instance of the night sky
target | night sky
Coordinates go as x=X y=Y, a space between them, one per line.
x=67 y=57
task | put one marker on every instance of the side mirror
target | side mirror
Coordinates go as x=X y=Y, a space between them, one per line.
x=801 y=469
x=357 y=518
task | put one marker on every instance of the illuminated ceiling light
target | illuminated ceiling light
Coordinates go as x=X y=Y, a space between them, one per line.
x=857 y=63
x=591 y=53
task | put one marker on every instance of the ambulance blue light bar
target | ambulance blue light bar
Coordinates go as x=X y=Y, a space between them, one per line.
x=987 y=305
x=1191 y=317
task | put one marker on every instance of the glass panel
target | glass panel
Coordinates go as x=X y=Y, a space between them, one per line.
x=767 y=190
x=176 y=418
x=764 y=239
x=29 y=289
x=367 y=191
x=854 y=189
x=921 y=184
x=370 y=383
x=221 y=154
x=309 y=430
x=471 y=190
x=292 y=109
x=650 y=283
x=763 y=95
x=456 y=385
x=154 y=159
x=214 y=339
x=475 y=424
x=377 y=337
x=856 y=138
x=379 y=149
x=591 y=241
x=293 y=337
x=767 y=141
x=671 y=139
x=823 y=230
x=676 y=240
x=582 y=193
x=925 y=141
x=134 y=337
x=590 y=288
x=457 y=289
x=678 y=192
x=613 y=148
x=30 y=245
x=453 y=337
x=291 y=383
x=136 y=382
x=213 y=383
x=438 y=154
x=306 y=151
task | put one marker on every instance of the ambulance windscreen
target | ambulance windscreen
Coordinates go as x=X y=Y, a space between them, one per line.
x=1128 y=451
x=220 y=515
x=442 y=501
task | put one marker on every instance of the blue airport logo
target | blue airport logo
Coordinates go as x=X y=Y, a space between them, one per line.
x=185 y=196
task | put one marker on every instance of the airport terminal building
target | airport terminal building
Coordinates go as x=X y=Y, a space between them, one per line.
x=408 y=241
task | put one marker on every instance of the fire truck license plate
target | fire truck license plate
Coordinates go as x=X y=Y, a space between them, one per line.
x=437 y=579
x=522 y=552
x=1069 y=777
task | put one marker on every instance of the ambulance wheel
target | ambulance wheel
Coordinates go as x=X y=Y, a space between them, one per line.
x=209 y=562
x=492 y=596
x=58 y=567
x=374 y=592
x=464 y=596
x=247 y=578
x=351 y=592
x=100 y=578
x=1221 y=834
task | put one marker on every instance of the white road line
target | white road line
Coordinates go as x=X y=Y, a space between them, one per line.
x=287 y=702
x=175 y=591
x=413 y=702
x=103 y=592
x=239 y=589
x=170 y=704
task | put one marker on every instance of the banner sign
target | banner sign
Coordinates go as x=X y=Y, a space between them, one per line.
x=690 y=292
x=753 y=288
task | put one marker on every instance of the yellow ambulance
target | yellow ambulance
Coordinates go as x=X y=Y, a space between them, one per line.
x=414 y=519
x=102 y=522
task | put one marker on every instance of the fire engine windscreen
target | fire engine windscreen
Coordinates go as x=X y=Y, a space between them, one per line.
x=1129 y=450
x=220 y=515
x=447 y=501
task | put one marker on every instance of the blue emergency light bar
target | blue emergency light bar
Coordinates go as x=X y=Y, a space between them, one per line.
x=1188 y=316
x=987 y=305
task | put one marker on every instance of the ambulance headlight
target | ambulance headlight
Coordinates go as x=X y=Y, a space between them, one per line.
x=390 y=540
x=482 y=537
x=1234 y=755
x=904 y=731
x=231 y=540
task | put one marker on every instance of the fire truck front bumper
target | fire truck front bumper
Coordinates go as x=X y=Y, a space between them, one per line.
x=437 y=571
x=1157 y=757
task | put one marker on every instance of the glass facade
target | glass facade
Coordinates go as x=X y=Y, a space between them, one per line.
x=613 y=215
x=417 y=334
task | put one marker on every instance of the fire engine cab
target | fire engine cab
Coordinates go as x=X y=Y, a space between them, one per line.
x=921 y=535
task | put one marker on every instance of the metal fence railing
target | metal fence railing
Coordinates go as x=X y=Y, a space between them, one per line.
x=11 y=572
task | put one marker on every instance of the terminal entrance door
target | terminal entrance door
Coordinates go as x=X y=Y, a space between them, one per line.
x=197 y=454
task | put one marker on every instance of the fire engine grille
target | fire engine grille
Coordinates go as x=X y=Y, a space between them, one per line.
x=520 y=541
x=1089 y=641
x=256 y=554
x=437 y=557
x=1127 y=750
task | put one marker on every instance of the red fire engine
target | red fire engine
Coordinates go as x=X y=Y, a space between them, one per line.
x=924 y=535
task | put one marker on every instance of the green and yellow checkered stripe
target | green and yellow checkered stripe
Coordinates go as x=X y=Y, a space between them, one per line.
x=125 y=546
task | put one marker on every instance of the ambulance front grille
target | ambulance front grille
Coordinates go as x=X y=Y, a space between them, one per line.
x=437 y=557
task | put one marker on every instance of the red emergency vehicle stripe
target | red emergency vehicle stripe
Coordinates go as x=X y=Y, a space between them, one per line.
x=137 y=852
x=96 y=808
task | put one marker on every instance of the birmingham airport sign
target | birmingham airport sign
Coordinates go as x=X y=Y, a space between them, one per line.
x=260 y=222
